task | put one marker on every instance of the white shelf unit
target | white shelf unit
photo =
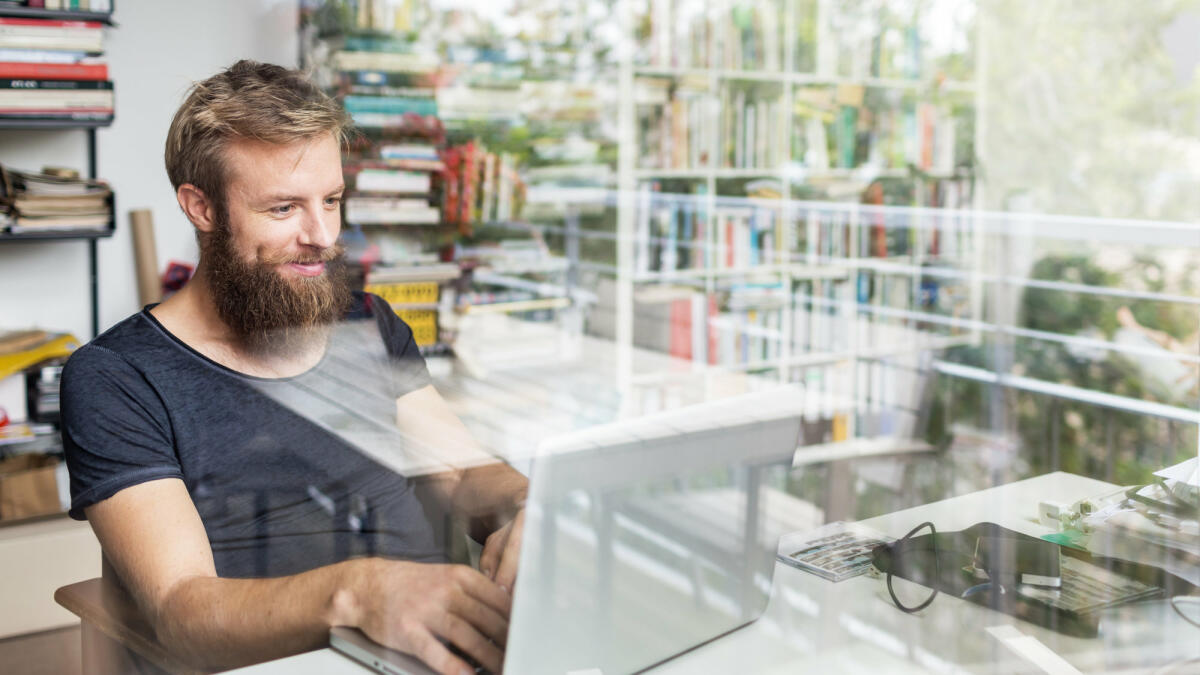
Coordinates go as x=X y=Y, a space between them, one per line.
x=790 y=266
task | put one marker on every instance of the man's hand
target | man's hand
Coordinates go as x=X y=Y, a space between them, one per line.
x=409 y=606
x=500 y=552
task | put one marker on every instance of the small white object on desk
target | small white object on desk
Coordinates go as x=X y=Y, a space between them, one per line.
x=1186 y=472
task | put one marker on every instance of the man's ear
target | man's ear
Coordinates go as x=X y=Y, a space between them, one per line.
x=197 y=207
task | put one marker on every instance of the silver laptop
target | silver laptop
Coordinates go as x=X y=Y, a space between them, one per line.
x=644 y=539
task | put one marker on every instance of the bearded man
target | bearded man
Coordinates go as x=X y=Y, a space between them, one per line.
x=227 y=447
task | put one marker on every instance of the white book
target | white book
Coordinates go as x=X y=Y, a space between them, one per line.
x=662 y=32
x=944 y=131
x=816 y=156
x=488 y=209
x=722 y=237
x=739 y=128
x=56 y=98
x=425 y=216
x=384 y=180
x=43 y=56
x=385 y=61
x=770 y=42
x=408 y=151
x=387 y=212
x=504 y=197
x=749 y=139
x=665 y=231
x=764 y=133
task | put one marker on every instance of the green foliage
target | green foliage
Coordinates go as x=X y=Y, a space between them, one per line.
x=1090 y=440
x=1069 y=313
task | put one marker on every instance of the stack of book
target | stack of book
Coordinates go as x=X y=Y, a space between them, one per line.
x=481 y=186
x=415 y=293
x=42 y=202
x=393 y=183
x=676 y=124
x=49 y=70
x=381 y=15
x=383 y=80
x=751 y=129
x=672 y=233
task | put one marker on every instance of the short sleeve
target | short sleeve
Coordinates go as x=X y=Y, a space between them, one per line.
x=116 y=432
x=408 y=369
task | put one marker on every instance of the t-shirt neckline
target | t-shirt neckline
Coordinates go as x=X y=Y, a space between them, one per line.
x=220 y=366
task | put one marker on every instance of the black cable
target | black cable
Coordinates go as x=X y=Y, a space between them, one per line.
x=1187 y=600
x=937 y=571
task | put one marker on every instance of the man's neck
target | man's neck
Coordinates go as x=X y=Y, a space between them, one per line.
x=191 y=316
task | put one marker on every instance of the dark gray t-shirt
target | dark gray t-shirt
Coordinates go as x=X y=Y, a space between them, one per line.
x=285 y=473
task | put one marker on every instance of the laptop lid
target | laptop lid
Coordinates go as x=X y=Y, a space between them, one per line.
x=647 y=537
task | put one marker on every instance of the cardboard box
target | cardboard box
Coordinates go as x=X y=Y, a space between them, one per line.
x=28 y=486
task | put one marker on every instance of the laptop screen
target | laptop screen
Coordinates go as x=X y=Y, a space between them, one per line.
x=646 y=538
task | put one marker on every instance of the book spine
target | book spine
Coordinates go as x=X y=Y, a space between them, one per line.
x=97 y=115
x=390 y=105
x=680 y=329
x=78 y=98
x=11 y=70
x=47 y=24
x=52 y=85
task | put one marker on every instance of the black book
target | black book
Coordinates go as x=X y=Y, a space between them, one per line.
x=55 y=84
x=65 y=116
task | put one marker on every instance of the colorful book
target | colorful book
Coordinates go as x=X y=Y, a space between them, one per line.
x=53 y=71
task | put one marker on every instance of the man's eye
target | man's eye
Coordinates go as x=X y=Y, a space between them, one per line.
x=333 y=201
x=283 y=210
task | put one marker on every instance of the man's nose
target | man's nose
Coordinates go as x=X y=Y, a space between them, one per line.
x=320 y=228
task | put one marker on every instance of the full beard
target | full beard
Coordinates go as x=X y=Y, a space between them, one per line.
x=268 y=313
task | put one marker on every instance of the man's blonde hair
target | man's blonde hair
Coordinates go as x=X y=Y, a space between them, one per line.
x=249 y=100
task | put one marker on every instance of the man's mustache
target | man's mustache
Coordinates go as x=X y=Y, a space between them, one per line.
x=330 y=254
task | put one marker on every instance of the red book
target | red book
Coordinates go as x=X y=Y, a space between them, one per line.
x=729 y=243
x=49 y=23
x=17 y=70
x=713 y=342
x=680 y=344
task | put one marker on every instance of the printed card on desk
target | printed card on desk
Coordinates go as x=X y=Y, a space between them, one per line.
x=835 y=551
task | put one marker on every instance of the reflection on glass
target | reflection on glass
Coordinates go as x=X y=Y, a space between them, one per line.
x=648 y=538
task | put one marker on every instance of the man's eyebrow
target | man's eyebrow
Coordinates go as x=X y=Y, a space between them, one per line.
x=298 y=198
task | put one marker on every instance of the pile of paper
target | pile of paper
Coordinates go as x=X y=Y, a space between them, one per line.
x=39 y=202
x=1157 y=524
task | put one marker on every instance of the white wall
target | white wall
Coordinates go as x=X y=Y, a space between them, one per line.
x=157 y=49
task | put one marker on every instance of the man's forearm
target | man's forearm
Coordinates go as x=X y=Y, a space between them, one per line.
x=213 y=623
x=489 y=496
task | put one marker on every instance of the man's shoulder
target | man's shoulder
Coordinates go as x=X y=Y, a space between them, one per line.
x=133 y=340
x=364 y=306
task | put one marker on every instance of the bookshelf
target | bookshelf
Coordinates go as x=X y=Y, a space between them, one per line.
x=662 y=122
x=509 y=124
x=743 y=129
x=89 y=126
